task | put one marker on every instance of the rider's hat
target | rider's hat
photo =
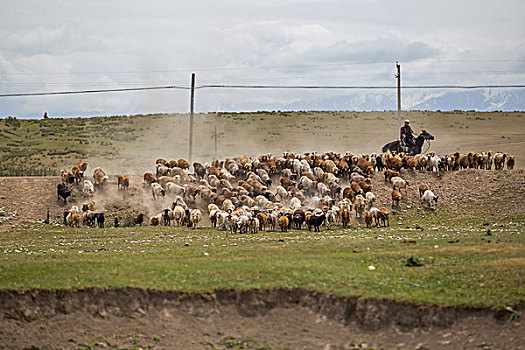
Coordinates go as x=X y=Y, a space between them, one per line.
x=407 y=121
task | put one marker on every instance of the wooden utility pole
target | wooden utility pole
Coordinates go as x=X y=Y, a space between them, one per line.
x=215 y=135
x=398 y=76
x=191 y=117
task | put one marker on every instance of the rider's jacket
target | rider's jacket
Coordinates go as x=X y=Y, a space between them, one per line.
x=406 y=130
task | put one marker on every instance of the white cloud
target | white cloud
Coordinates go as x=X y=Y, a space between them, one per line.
x=56 y=44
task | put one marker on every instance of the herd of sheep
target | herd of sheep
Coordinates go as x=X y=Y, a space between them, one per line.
x=248 y=194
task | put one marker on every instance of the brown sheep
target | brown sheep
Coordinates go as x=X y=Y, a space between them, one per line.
x=365 y=186
x=283 y=223
x=510 y=162
x=368 y=219
x=100 y=176
x=384 y=216
x=396 y=197
x=411 y=163
x=390 y=174
x=82 y=166
x=154 y=221
x=149 y=178
x=162 y=161
x=356 y=187
x=123 y=181
x=77 y=174
x=138 y=219
x=75 y=220
x=422 y=189
x=346 y=216
x=286 y=182
x=349 y=193
x=183 y=164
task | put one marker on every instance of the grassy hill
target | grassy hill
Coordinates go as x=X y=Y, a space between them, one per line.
x=130 y=144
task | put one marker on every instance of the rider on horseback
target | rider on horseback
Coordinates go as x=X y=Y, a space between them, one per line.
x=407 y=138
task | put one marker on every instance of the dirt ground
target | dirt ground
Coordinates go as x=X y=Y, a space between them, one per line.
x=29 y=198
x=256 y=319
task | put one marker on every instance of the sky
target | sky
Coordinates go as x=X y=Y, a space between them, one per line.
x=54 y=45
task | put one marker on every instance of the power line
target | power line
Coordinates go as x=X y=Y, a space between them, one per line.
x=264 y=67
x=320 y=87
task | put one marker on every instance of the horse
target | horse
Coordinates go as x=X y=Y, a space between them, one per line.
x=396 y=147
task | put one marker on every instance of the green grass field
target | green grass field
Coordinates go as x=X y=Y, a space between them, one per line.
x=462 y=264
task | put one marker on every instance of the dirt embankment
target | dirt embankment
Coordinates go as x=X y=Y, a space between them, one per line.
x=275 y=318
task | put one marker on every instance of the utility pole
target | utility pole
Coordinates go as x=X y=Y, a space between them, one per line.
x=215 y=136
x=398 y=76
x=191 y=117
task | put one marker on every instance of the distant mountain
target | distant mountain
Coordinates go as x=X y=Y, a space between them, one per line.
x=479 y=100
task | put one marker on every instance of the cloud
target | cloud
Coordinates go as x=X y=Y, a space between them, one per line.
x=391 y=48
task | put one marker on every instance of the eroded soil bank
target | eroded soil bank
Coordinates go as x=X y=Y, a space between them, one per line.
x=253 y=319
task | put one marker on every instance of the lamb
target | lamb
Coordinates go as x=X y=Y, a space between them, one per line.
x=157 y=190
x=166 y=217
x=88 y=188
x=429 y=198
x=123 y=181
x=510 y=162
x=100 y=177
x=399 y=183
x=396 y=197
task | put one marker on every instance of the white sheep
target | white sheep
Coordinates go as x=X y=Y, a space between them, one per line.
x=370 y=199
x=295 y=203
x=429 y=198
x=88 y=188
x=433 y=163
x=281 y=193
x=399 y=183
x=157 y=190
x=174 y=188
